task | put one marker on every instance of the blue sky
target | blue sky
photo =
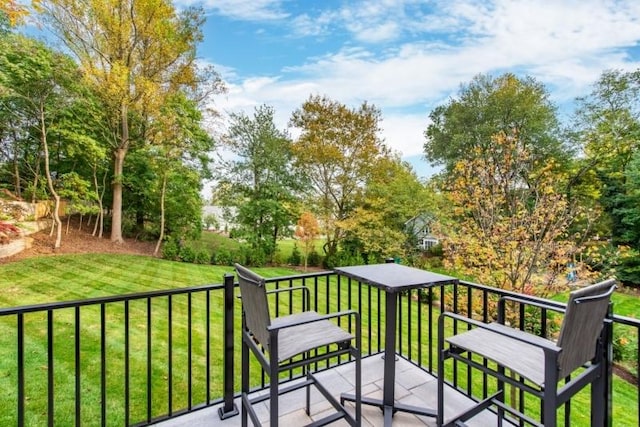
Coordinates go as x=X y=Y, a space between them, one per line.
x=409 y=56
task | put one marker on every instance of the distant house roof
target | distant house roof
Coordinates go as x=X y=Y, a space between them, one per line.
x=419 y=227
x=419 y=224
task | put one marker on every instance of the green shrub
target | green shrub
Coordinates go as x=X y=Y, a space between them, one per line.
x=436 y=250
x=222 y=256
x=314 y=259
x=170 y=249
x=628 y=271
x=203 y=256
x=255 y=257
x=188 y=254
x=343 y=258
x=296 y=256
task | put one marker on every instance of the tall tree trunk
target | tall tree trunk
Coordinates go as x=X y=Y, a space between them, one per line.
x=118 y=164
x=16 y=168
x=100 y=199
x=116 y=214
x=162 y=196
x=56 y=197
x=100 y=214
x=36 y=177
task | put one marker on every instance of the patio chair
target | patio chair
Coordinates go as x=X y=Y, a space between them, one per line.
x=539 y=364
x=290 y=342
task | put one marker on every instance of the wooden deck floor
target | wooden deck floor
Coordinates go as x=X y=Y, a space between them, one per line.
x=413 y=386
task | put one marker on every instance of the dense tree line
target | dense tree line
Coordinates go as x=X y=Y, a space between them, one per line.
x=115 y=122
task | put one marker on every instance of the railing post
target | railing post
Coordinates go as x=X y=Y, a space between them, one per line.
x=608 y=403
x=229 y=408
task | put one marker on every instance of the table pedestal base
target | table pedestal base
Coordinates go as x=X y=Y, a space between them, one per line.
x=389 y=410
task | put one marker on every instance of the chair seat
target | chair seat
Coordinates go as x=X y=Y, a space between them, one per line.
x=525 y=359
x=301 y=338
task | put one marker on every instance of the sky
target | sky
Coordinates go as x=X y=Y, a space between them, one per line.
x=409 y=56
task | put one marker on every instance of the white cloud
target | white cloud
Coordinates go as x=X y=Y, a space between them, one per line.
x=404 y=132
x=564 y=44
x=246 y=10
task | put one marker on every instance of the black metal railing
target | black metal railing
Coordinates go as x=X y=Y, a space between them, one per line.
x=137 y=359
x=417 y=333
x=120 y=360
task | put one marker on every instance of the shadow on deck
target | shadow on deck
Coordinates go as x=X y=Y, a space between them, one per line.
x=414 y=386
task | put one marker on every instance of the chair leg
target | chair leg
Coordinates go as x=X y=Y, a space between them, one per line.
x=440 y=414
x=307 y=388
x=500 y=385
x=274 y=379
x=549 y=407
x=245 y=379
x=598 y=398
x=358 y=355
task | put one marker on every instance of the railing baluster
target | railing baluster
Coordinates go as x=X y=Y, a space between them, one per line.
x=207 y=318
x=485 y=319
x=50 y=368
x=431 y=325
x=127 y=387
x=170 y=354
x=20 y=350
x=455 y=331
x=379 y=292
x=189 y=352
x=399 y=323
x=77 y=366
x=149 y=362
x=369 y=342
x=470 y=314
x=103 y=366
x=420 y=294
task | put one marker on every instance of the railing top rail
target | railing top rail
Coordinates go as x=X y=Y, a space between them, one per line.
x=522 y=297
x=629 y=321
x=106 y=299
x=299 y=276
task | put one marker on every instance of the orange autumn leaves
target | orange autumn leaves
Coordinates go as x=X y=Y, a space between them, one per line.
x=510 y=220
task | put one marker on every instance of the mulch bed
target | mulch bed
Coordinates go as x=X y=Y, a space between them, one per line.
x=77 y=242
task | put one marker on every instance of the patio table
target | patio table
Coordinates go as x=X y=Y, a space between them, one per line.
x=392 y=279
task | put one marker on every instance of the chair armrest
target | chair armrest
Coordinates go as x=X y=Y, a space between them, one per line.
x=516 y=334
x=290 y=289
x=319 y=318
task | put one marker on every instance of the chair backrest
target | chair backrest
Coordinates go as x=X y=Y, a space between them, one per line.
x=254 y=303
x=582 y=324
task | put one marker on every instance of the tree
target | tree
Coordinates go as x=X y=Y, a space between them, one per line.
x=608 y=127
x=391 y=197
x=134 y=54
x=40 y=82
x=261 y=183
x=509 y=219
x=179 y=145
x=489 y=106
x=307 y=231
x=13 y=11
x=337 y=149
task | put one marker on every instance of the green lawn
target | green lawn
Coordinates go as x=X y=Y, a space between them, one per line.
x=71 y=277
